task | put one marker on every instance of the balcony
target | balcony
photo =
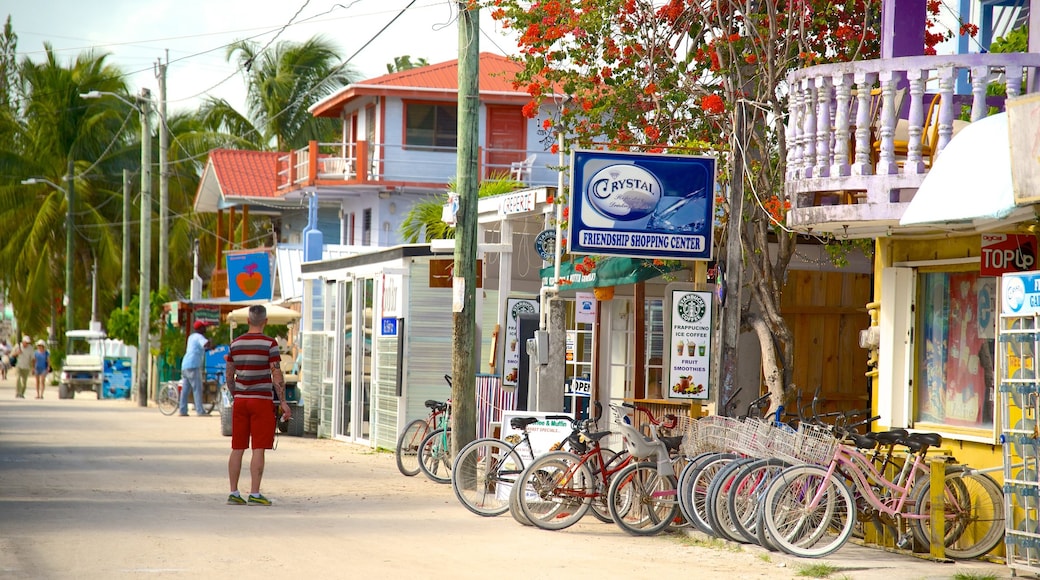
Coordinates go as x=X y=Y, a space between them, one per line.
x=861 y=136
x=337 y=165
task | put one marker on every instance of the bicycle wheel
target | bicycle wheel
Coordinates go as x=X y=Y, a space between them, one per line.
x=483 y=473
x=744 y=496
x=974 y=513
x=407 y=452
x=556 y=490
x=716 y=501
x=696 y=485
x=514 y=504
x=168 y=400
x=807 y=513
x=684 y=474
x=650 y=498
x=435 y=455
x=613 y=462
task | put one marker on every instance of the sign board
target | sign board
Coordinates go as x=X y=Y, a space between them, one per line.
x=208 y=314
x=1002 y=253
x=585 y=307
x=1020 y=293
x=642 y=205
x=544 y=436
x=388 y=326
x=514 y=203
x=579 y=388
x=249 y=276
x=689 y=368
x=442 y=273
x=511 y=361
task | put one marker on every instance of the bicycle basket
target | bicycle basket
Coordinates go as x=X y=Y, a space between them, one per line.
x=754 y=438
x=817 y=445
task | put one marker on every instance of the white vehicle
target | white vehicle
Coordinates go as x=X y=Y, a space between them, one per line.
x=84 y=368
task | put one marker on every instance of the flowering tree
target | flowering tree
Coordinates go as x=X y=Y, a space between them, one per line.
x=675 y=75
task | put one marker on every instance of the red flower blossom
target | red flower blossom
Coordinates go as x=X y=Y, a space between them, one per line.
x=751 y=58
x=712 y=104
x=555 y=148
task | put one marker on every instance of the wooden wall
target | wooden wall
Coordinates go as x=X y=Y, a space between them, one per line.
x=826 y=311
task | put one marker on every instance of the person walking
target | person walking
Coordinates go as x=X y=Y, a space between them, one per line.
x=253 y=376
x=191 y=369
x=41 y=366
x=23 y=363
x=5 y=358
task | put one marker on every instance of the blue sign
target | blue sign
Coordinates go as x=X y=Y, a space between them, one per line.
x=249 y=276
x=1020 y=293
x=388 y=327
x=642 y=205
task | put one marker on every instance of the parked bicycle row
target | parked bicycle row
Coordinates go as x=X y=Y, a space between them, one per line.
x=803 y=490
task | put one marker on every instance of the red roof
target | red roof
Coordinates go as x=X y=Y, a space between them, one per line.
x=246 y=173
x=496 y=77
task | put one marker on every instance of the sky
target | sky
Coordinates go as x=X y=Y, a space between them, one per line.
x=138 y=33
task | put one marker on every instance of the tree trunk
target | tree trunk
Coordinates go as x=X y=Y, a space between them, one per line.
x=772 y=373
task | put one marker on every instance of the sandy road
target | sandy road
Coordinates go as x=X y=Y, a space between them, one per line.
x=105 y=489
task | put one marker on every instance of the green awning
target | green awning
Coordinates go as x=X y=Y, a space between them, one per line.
x=609 y=271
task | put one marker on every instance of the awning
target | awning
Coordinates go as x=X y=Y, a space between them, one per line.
x=610 y=271
x=970 y=180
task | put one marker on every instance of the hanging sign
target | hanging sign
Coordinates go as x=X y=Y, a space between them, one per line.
x=545 y=244
x=690 y=343
x=1003 y=253
x=249 y=276
x=1020 y=293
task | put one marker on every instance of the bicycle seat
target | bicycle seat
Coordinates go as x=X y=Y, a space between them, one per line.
x=863 y=441
x=918 y=442
x=596 y=436
x=672 y=443
x=521 y=423
x=431 y=404
x=891 y=437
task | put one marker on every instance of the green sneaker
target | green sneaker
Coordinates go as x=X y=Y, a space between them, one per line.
x=236 y=500
x=258 y=500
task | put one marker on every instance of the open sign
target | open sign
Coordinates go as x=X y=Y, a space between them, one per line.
x=1003 y=253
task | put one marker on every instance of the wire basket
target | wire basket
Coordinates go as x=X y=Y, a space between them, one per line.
x=754 y=438
x=710 y=434
x=816 y=445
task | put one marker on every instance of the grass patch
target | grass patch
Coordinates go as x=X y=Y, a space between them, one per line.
x=822 y=570
x=765 y=558
x=974 y=576
x=711 y=543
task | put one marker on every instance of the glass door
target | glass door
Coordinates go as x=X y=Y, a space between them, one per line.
x=363 y=395
x=344 y=399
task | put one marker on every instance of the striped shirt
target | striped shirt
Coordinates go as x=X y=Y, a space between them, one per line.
x=252 y=355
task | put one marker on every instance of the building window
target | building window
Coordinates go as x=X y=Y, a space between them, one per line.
x=366 y=227
x=956 y=349
x=431 y=125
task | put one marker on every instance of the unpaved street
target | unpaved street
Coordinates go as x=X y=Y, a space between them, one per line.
x=107 y=489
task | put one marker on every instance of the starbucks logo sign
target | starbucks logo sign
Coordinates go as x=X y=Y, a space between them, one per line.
x=522 y=307
x=692 y=308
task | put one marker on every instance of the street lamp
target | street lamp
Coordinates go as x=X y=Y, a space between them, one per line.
x=142 y=103
x=70 y=200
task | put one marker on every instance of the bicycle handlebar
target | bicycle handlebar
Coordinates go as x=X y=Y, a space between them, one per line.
x=671 y=419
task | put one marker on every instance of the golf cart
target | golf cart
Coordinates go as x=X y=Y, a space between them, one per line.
x=84 y=367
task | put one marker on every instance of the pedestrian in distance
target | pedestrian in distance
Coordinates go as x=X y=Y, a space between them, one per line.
x=23 y=354
x=191 y=369
x=253 y=375
x=41 y=366
x=5 y=358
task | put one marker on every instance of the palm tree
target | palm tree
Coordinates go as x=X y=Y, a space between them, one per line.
x=283 y=83
x=405 y=63
x=423 y=221
x=53 y=127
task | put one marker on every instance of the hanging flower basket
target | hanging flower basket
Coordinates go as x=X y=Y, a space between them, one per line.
x=604 y=293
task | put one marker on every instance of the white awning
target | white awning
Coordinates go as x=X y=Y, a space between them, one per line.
x=275 y=315
x=970 y=181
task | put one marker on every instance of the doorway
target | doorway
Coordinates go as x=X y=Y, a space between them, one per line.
x=506 y=141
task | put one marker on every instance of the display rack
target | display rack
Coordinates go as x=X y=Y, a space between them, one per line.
x=1018 y=341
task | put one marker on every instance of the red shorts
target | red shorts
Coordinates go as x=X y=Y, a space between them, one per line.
x=252 y=418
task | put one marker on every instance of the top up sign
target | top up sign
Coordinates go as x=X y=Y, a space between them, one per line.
x=642 y=205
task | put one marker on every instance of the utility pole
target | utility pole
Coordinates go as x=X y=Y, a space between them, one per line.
x=464 y=351
x=70 y=201
x=126 y=239
x=143 y=360
x=164 y=181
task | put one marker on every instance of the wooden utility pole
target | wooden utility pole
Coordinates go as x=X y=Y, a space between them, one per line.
x=126 y=239
x=464 y=347
x=164 y=181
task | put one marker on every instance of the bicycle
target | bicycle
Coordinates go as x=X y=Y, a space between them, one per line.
x=434 y=451
x=559 y=488
x=810 y=510
x=642 y=497
x=486 y=469
x=407 y=451
x=168 y=397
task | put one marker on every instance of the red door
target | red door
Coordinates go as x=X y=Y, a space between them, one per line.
x=506 y=139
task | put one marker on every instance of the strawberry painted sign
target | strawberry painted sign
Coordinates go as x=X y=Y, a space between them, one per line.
x=249 y=276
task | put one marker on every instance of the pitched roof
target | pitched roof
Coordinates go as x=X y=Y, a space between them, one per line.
x=496 y=78
x=237 y=174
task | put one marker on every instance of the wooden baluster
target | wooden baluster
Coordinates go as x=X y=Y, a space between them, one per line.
x=843 y=99
x=824 y=128
x=864 y=83
x=915 y=124
x=887 y=158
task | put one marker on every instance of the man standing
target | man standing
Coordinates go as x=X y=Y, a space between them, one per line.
x=253 y=375
x=24 y=361
x=191 y=369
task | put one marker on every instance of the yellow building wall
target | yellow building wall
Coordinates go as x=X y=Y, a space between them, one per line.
x=889 y=252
